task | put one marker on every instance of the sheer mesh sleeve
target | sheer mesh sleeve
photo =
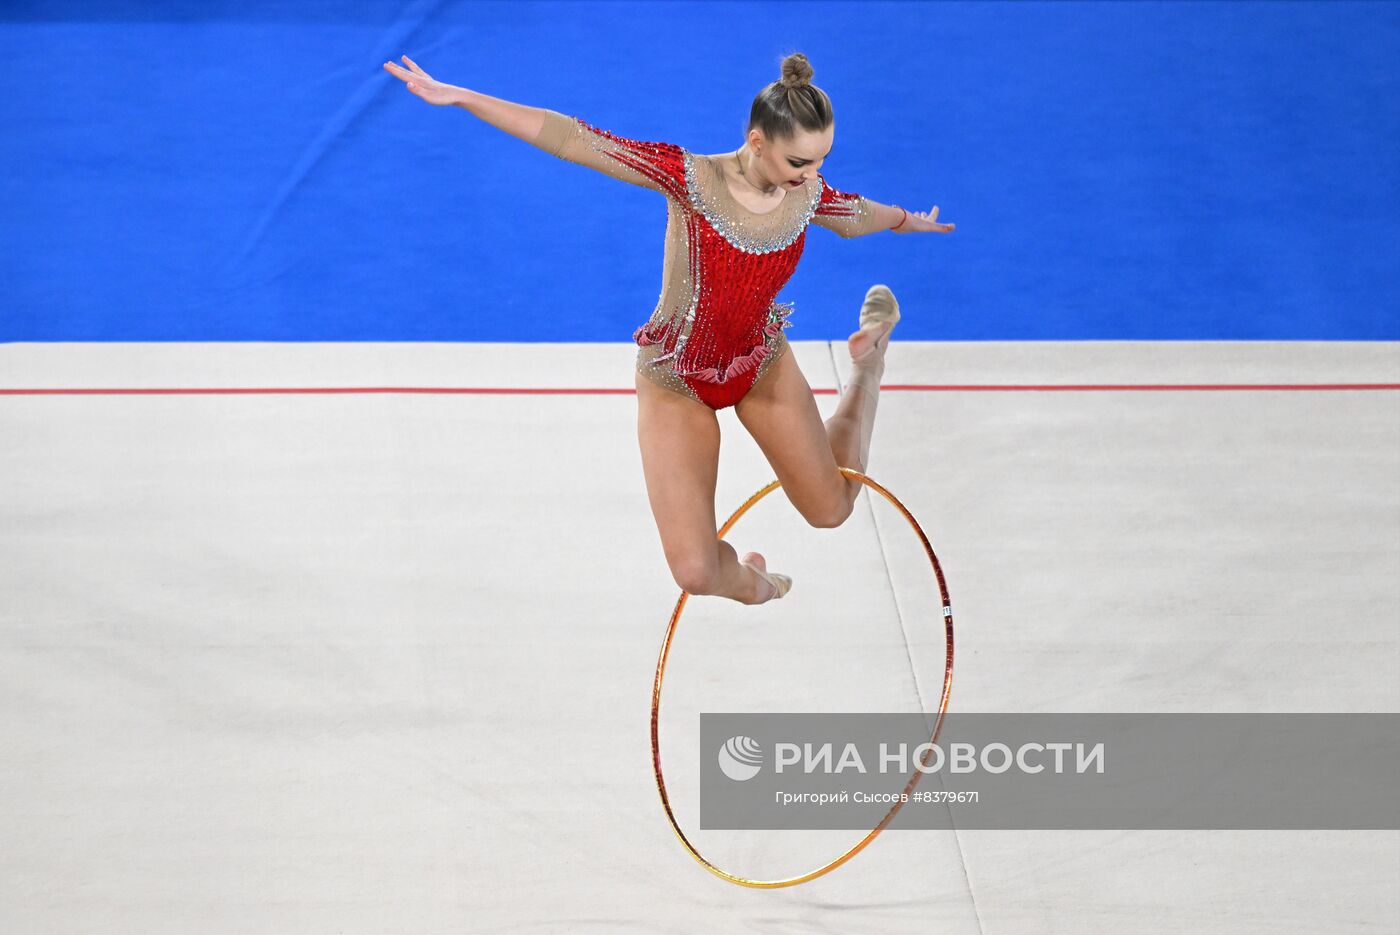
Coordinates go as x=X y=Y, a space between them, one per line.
x=658 y=166
x=846 y=213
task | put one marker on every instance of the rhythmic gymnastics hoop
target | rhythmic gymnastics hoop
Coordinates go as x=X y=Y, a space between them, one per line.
x=937 y=727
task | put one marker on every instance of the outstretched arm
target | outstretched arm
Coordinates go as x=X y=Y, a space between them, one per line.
x=852 y=215
x=921 y=222
x=657 y=166
x=518 y=120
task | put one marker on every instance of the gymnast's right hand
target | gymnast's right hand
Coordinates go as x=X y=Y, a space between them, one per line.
x=423 y=85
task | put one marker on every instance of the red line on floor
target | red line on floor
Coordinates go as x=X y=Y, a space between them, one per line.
x=603 y=391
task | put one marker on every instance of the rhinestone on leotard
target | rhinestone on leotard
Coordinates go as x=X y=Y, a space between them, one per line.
x=733 y=230
x=715 y=328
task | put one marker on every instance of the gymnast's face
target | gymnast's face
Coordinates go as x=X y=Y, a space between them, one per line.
x=792 y=163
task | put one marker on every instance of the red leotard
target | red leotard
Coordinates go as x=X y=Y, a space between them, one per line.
x=716 y=327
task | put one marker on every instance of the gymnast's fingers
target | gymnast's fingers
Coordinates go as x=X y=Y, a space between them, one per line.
x=398 y=72
x=414 y=65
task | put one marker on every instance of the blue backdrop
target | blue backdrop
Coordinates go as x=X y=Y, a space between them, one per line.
x=247 y=171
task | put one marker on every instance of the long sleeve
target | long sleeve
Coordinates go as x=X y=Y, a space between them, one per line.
x=658 y=166
x=846 y=213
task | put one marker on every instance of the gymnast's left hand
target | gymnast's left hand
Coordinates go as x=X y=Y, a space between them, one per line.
x=923 y=222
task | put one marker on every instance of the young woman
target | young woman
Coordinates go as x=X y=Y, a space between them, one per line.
x=736 y=226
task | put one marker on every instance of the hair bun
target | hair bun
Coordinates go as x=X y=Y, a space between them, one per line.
x=797 y=71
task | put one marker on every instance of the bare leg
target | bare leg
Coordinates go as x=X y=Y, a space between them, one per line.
x=679 y=440
x=782 y=416
x=850 y=428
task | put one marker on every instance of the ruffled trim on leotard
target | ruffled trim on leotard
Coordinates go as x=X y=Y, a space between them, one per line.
x=777 y=321
x=641 y=337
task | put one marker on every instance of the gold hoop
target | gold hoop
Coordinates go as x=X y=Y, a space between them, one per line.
x=945 y=603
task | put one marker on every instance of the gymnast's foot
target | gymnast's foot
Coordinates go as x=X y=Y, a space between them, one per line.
x=771 y=586
x=878 y=316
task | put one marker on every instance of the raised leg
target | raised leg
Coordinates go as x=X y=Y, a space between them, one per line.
x=781 y=415
x=851 y=427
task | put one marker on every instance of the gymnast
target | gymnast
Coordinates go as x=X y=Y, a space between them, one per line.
x=735 y=229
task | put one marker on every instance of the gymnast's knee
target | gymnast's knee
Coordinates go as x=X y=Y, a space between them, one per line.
x=696 y=575
x=829 y=516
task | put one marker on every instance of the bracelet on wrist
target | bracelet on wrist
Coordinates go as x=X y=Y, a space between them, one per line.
x=901 y=220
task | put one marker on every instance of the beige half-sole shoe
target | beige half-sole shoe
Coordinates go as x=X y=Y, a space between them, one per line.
x=781 y=583
x=880 y=305
x=879 y=308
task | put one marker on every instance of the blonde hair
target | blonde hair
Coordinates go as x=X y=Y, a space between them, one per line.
x=791 y=102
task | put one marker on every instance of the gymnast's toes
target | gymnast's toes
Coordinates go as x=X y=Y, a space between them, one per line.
x=771 y=586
